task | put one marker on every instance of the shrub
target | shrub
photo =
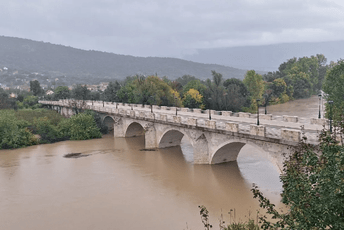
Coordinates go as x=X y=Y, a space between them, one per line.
x=29 y=115
x=313 y=186
x=48 y=132
x=103 y=128
x=83 y=127
x=13 y=132
x=64 y=129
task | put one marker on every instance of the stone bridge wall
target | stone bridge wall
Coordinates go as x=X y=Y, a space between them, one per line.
x=213 y=141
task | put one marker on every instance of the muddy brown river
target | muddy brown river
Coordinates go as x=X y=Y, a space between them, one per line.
x=117 y=186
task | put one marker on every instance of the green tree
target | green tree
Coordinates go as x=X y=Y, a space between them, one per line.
x=194 y=84
x=301 y=84
x=4 y=101
x=255 y=85
x=334 y=88
x=83 y=127
x=153 y=90
x=313 y=185
x=111 y=91
x=185 y=79
x=235 y=98
x=35 y=88
x=236 y=95
x=192 y=99
x=30 y=101
x=61 y=92
x=214 y=95
x=14 y=132
x=80 y=92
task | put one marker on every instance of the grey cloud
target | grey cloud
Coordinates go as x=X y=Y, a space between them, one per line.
x=170 y=28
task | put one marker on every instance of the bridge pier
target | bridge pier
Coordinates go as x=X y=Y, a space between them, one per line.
x=213 y=141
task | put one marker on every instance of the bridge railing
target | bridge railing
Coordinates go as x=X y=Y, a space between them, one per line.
x=244 y=128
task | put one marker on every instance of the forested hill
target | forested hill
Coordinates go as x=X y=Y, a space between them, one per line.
x=57 y=60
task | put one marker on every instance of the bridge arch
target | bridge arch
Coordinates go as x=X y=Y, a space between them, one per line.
x=173 y=137
x=134 y=129
x=109 y=121
x=230 y=150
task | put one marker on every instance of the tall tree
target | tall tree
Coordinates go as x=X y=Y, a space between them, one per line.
x=61 y=92
x=312 y=188
x=80 y=92
x=35 y=88
x=236 y=95
x=255 y=85
x=214 y=93
x=111 y=91
x=334 y=88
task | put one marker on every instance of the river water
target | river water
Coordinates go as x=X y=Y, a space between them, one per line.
x=117 y=186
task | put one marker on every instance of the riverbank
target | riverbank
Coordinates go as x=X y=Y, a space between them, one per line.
x=28 y=127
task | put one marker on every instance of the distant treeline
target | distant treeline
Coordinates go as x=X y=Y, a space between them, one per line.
x=295 y=78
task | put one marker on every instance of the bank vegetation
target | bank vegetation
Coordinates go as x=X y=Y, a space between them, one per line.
x=39 y=126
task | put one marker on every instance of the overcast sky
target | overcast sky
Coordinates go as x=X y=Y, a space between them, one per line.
x=171 y=28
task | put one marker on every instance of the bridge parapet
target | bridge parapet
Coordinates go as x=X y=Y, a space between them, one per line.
x=210 y=124
x=290 y=118
x=291 y=135
x=227 y=113
x=150 y=116
x=257 y=130
x=232 y=127
x=142 y=114
x=192 y=121
x=245 y=115
x=195 y=120
x=163 y=117
x=321 y=121
x=265 y=116
x=177 y=119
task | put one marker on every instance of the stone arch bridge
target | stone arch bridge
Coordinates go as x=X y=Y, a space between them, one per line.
x=215 y=140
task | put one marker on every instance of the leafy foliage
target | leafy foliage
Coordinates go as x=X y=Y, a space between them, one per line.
x=313 y=188
x=334 y=88
x=61 y=92
x=80 y=92
x=83 y=127
x=255 y=85
x=304 y=76
x=35 y=88
x=17 y=128
x=192 y=99
x=111 y=91
x=13 y=132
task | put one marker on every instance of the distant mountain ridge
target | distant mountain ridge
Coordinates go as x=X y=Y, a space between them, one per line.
x=82 y=65
x=267 y=57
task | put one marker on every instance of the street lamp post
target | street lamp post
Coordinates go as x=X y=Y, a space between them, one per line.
x=330 y=102
x=257 y=111
x=151 y=104
x=175 y=103
x=209 y=109
x=319 y=106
